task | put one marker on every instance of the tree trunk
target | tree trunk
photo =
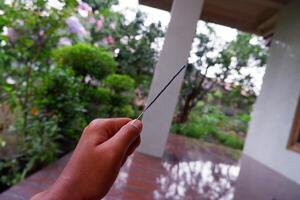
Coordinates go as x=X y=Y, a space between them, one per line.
x=186 y=108
x=196 y=94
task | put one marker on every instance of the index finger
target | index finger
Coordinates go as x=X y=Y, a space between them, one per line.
x=108 y=125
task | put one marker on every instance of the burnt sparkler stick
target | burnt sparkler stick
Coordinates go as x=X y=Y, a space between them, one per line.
x=166 y=86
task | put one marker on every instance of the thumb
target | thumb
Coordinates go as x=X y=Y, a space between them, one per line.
x=126 y=135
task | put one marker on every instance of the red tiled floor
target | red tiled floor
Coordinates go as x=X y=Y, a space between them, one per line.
x=188 y=170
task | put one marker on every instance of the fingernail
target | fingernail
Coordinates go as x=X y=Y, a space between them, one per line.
x=136 y=124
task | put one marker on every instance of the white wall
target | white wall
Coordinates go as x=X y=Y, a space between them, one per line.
x=274 y=110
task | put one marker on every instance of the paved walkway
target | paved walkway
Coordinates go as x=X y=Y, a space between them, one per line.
x=189 y=170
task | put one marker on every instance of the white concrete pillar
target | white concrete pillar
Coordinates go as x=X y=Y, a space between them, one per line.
x=175 y=52
x=269 y=169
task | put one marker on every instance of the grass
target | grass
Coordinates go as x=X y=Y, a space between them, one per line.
x=209 y=132
x=229 y=140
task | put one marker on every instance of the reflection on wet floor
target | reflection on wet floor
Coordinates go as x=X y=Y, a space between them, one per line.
x=188 y=170
x=195 y=179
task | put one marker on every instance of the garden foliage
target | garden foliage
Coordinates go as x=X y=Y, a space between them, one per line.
x=217 y=120
x=61 y=66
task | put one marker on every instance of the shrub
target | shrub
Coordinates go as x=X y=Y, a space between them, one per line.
x=40 y=145
x=113 y=98
x=11 y=172
x=37 y=148
x=97 y=100
x=119 y=83
x=54 y=120
x=229 y=140
x=210 y=123
x=86 y=60
x=199 y=127
x=121 y=89
x=59 y=95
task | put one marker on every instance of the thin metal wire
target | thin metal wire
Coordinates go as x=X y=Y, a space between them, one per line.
x=164 y=88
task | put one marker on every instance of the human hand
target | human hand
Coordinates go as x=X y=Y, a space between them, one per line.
x=102 y=149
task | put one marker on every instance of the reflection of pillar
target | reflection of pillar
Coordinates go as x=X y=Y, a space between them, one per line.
x=269 y=170
x=175 y=52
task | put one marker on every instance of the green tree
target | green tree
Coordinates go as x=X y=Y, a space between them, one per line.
x=135 y=55
x=30 y=30
x=229 y=62
x=131 y=41
x=86 y=60
x=30 y=34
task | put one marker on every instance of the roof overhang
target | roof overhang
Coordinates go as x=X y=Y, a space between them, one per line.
x=253 y=16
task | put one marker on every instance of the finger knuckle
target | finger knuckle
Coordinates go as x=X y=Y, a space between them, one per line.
x=96 y=123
